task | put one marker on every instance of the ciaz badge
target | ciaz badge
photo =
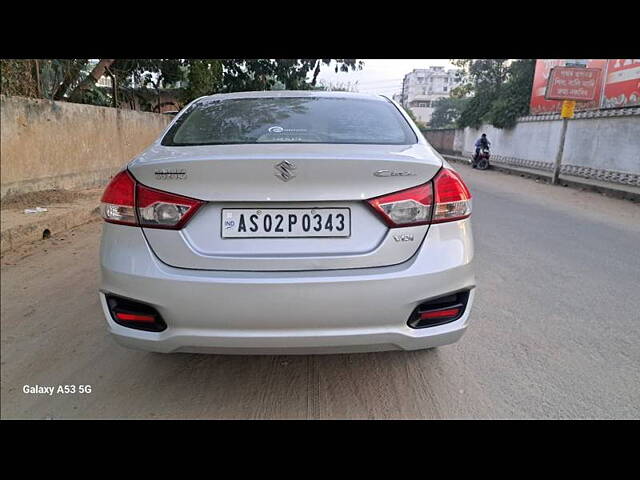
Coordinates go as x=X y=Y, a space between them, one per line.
x=393 y=173
x=171 y=174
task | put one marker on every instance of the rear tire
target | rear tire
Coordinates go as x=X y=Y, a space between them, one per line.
x=483 y=164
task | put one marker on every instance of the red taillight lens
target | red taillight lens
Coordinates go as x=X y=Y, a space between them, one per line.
x=453 y=199
x=155 y=208
x=158 y=209
x=407 y=207
x=117 y=203
x=444 y=199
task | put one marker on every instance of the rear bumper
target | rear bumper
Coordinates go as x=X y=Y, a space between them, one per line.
x=354 y=310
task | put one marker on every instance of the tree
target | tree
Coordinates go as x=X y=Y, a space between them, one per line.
x=498 y=91
x=18 y=77
x=513 y=101
x=263 y=74
x=49 y=79
x=90 y=80
x=204 y=77
x=68 y=72
x=483 y=79
x=447 y=111
x=75 y=79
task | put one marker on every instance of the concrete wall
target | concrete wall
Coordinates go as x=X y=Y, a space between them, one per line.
x=605 y=141
x=441 y=139
x=57 y=145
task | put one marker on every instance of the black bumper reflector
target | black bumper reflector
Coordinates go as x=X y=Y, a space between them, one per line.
x=439 y=311
x=132 y=314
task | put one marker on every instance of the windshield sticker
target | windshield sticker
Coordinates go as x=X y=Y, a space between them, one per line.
x=279 y=129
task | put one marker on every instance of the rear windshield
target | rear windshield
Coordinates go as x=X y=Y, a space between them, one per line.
x=290 y=120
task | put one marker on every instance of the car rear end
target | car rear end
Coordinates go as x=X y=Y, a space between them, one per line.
x=287 y=223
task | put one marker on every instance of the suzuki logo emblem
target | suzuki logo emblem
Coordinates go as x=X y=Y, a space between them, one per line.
x=285 y=170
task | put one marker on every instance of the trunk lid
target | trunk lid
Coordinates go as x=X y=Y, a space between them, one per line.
x=313 y=176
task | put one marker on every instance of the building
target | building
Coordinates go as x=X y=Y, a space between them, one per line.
x=422 y=87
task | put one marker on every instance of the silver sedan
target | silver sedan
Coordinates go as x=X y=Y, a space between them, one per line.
x=287 y=222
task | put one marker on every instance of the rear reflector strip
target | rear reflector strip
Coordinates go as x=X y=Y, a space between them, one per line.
x=132 y=314
x=450 y=312
x=129 y=317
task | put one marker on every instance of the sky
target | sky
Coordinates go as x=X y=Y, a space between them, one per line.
x=382 y=77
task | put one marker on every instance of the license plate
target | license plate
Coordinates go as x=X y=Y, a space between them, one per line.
x=286 y=222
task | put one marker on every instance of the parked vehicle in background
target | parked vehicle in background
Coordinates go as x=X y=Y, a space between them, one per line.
x=287 y=222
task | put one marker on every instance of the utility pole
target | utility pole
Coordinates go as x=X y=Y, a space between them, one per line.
x=567 y=113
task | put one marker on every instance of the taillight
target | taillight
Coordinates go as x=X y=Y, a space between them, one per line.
x=126 y=202
x=453 y=199
x=118 y=200
x=158 y=209
x=406 y=207
x=444 y=199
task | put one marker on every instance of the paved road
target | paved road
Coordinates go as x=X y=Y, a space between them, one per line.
x=555 y=333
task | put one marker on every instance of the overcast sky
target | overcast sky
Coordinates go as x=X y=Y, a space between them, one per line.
x=383 y=77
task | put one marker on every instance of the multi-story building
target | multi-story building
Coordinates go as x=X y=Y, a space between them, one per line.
x=422 y=87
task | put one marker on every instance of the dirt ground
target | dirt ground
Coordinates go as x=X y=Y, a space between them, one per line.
x=46 y=198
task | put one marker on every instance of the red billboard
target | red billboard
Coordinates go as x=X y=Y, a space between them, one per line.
x=539 y=104
x=622 y=83
x=572 y=83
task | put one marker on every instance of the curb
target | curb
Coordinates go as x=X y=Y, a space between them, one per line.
x=613 y=190
x=44 y=227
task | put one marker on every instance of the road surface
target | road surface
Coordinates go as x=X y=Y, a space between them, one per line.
x=555 y=332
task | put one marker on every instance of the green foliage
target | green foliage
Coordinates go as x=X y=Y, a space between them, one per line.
x=96 y=96
x=447 y=111
x=17 y=78
x=204 y=77
x=476 y=110
x=264 y=74
x=500 y=91
x=57 y=79
x=516 y=93
x=40 y=78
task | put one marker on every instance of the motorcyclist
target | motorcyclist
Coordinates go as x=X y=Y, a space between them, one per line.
x=482 y=142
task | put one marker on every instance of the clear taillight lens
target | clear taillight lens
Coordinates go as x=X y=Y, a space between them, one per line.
x=155 y=208
x=444 y=199
x=117 y=202
x=407 y=207
x=164 y=210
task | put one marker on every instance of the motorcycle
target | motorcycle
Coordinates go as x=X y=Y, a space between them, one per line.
x=481 y=159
